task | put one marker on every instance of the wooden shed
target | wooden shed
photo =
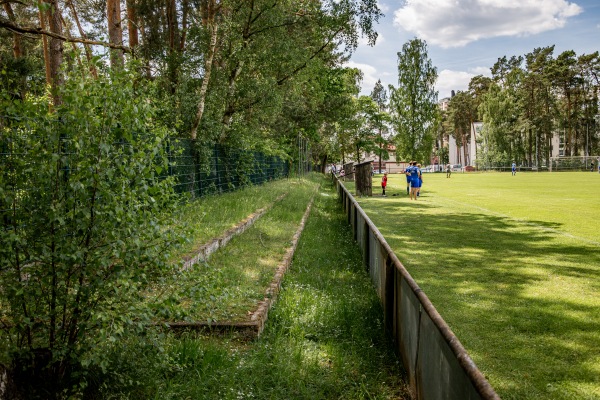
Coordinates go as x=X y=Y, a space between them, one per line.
x=364 y=181
x=349 y=171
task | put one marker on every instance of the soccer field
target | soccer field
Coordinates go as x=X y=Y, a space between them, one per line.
x=512 y=263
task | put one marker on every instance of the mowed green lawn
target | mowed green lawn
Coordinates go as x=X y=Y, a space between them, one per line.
x=512 y=263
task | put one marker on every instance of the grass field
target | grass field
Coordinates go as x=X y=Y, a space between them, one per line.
x=513 y=266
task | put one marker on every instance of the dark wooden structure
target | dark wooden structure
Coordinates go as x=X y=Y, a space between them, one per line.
x=349 y=172
x=363 y=175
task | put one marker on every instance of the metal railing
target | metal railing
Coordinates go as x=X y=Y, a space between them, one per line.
x=437 y=364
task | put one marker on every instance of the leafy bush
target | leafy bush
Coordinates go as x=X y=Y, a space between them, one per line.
x=81 y=198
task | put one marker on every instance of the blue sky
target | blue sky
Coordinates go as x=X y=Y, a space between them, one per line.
x=466 y=37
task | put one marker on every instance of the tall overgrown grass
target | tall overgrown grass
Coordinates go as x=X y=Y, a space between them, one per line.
x=324 y=338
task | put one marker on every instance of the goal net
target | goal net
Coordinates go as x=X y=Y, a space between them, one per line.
x=576 y=163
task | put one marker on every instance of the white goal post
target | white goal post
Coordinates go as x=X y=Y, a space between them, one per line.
x=574 y=163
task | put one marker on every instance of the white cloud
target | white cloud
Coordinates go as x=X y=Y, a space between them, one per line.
x=363 y=41
x=455 y=23
x=485 y=71
x=452 y=80
x=383 y=7
x=370 y=75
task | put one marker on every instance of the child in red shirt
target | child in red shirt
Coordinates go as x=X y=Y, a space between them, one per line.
x=384 y=182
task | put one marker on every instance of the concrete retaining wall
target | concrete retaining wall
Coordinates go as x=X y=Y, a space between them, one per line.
x=437 y=364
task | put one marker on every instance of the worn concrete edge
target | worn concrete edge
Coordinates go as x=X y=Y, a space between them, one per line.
x=261 y=313
x=205 y=250
x=255 y=326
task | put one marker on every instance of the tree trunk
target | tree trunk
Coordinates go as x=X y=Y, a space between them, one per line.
x=184 y=22
x=88 y=50
x=324 y=163
x=230 y=109
x=146 y=57
x=17 y=49
x=43 y=25
x=530 y=147
x=55 y=50
x=206 y=78
x=173 y=51
x=115 y=32
x=172 y=25
x=132 y=24
x=380 y=148
x=465 y=147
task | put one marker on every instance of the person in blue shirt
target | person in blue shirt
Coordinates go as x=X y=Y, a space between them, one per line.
x=415 y=183
x=514 y=168
x=420 y=180
x=407 y=173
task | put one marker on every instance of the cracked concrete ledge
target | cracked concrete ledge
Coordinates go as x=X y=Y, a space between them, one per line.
x=254 y=327
x=260 y=315
x=204 y=251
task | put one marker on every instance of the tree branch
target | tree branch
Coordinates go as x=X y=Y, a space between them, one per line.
x=287 y=23
x=39 y=31
x=301 y=67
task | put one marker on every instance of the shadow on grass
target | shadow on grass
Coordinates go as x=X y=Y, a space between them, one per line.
x=522 y=298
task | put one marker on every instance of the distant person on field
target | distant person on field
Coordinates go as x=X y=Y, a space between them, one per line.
x=514 y=168
x=592 y=167
x=407 y=173
x=598 y=165
x=420 y=180
x=415 y=183
x=383 y=183
x=448 y=171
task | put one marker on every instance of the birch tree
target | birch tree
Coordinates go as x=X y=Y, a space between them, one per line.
x=414 y=102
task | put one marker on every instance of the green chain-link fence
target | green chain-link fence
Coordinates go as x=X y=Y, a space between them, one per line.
x=219 y=169
x=197 y=170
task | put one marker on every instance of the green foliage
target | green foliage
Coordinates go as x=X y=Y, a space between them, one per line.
x=535 y=99
x=461 y=114
x=20 y=76
x=414 y=102
x=81 y=202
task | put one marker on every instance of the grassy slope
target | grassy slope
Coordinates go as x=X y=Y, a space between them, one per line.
x=230 y=284
x=324 y=338
x=512 y=264
x=205 y=219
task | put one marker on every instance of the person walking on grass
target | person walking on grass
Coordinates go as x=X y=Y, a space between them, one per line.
x=514 y=168
x=448 y=171
x=383 y=183
x=420 y=180
x=415 y=184
x=407 y=173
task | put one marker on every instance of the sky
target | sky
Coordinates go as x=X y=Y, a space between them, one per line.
x=466 y=37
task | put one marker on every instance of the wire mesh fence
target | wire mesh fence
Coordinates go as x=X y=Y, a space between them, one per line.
x=33 y=148
x=218 y=169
